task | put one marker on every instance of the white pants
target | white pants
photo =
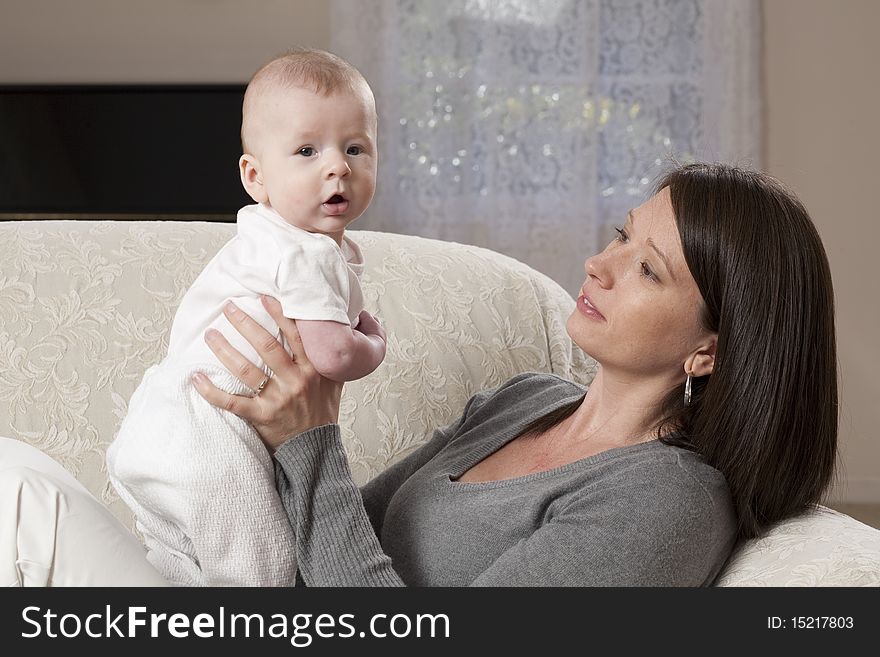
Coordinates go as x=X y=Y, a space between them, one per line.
x=53 y=532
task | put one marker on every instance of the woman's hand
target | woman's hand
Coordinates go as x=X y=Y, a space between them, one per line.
x=294 y=400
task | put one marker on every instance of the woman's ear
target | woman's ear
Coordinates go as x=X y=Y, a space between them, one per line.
x=252 y=178
x=702 y=361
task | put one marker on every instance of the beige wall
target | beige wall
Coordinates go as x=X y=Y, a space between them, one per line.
x=821 y=98
x=823 y=139
x=134 y=41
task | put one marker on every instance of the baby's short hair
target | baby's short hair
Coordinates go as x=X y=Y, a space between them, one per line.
x=306 y=68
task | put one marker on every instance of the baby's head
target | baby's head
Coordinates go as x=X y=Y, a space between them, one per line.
x=308 y=133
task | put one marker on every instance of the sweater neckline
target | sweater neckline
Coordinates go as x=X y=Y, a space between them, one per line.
x=574 y=466
x=450 y=478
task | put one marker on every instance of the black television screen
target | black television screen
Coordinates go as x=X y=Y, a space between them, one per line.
x=121 y=150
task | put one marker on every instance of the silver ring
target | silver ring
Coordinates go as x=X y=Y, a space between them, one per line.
x=262 y=385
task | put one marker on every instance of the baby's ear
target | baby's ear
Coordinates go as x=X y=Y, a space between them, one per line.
x=252 y=178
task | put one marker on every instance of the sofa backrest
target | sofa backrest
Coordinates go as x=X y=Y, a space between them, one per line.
x=86 y=307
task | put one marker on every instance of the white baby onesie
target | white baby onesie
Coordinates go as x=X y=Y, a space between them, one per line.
x=200 y=482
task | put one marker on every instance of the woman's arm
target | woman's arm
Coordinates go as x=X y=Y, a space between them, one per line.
x=298 y=400
x=315 y=481
x=335 y=542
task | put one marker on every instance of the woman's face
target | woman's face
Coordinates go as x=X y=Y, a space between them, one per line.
x=639 y=309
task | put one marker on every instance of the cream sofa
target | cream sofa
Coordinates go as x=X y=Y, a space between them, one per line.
x=86 y=307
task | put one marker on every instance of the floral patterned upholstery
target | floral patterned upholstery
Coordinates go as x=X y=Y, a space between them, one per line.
x=819 y=548
x=86 y=307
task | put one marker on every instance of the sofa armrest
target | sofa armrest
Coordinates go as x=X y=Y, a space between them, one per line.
x=817 y=548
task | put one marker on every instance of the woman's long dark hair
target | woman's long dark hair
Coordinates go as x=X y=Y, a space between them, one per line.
x=767 y=415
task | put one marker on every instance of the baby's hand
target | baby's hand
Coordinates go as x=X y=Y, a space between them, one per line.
x=369 y=325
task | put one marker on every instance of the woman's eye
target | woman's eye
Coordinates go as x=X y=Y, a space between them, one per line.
x=646 y=271
x=307 y=151
x=621 y=235
x=354 y=150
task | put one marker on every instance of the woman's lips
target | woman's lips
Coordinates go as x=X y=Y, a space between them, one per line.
x=588 y=309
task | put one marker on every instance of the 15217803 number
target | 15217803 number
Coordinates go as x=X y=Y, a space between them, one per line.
x=821 y=622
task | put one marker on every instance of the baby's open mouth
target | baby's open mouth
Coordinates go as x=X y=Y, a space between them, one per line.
x=336 y=205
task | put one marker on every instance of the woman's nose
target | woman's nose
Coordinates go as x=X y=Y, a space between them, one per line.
x=598 y=267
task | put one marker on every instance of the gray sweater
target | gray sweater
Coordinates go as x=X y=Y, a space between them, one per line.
x=642 y=515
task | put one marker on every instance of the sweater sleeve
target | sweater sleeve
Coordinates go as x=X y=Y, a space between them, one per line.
x=335 y=542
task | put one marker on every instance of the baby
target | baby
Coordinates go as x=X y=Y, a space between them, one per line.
x=199 y=480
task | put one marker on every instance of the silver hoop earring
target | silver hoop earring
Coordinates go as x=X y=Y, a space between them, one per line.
x=687 y=391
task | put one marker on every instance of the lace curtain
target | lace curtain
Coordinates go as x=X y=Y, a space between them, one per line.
x=531 y=126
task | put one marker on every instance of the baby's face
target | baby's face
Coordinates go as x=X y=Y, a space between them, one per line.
x=318 y=157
